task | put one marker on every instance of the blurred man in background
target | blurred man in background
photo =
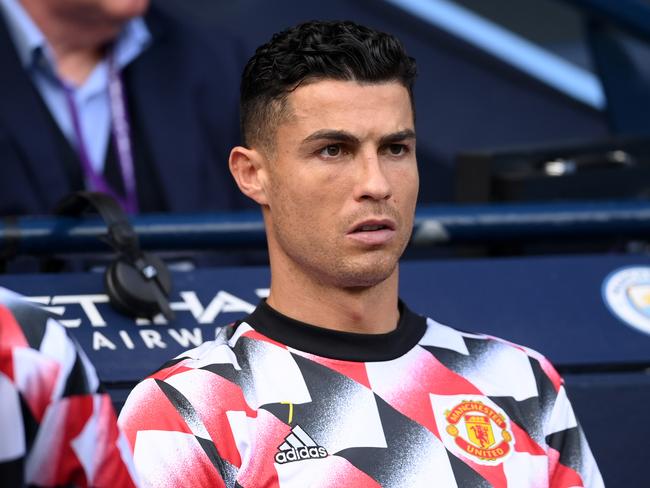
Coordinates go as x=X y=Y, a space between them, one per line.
x=115 y=96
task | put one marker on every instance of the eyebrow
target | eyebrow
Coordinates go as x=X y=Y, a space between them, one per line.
x=401 y=136
x=331 y=135
x=343 y=136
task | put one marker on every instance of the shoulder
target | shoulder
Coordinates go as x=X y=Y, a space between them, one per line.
x=41 y=347
x=172 y=29
x=181 y=412
x=46 y=377
x=209 y=377
x=491 y=360
x=217 y=351
x=185 y=379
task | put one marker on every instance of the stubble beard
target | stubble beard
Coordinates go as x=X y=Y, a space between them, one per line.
x=319 y=260
x=324 y=265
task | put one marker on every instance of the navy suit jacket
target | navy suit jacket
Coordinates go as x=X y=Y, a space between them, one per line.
x=185 y=93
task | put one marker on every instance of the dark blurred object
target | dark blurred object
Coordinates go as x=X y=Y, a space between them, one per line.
x=622 y=63
x=618 y=35
x=137 y=283
x=615 y=169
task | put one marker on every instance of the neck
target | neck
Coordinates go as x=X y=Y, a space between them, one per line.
x=75 y=65
x=368 y=310
x=78 y=45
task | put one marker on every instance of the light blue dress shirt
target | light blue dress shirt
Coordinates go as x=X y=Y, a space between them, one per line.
x=91 y=97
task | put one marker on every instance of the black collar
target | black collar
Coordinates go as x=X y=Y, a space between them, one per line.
x=334 y=344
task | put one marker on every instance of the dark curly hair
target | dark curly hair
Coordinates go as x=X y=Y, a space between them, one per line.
x=340 y=50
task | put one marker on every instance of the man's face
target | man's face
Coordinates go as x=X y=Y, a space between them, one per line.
x=342 y=182
x=101 y=11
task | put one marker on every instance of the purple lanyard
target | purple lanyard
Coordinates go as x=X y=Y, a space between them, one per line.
x=121 y=137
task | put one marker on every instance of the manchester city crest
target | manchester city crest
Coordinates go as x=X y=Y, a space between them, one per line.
x=626 y=293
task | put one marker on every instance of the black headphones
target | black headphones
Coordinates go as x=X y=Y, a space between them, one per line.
x=138 y=284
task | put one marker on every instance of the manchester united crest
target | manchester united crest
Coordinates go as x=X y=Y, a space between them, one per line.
x=479 y=430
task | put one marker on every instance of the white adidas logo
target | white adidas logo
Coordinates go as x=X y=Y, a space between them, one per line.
x=298 y=446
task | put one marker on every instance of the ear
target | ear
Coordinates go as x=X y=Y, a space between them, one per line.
x=248 y=167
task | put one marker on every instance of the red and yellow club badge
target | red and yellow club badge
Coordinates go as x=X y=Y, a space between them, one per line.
x=479 y=430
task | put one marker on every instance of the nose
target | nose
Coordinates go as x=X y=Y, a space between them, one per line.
x=372 y=182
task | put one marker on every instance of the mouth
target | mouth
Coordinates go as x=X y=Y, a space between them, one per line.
x=373 y=226
x=373 y=232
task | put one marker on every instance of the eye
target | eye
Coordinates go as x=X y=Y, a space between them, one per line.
x=397 y=149
x=331 y=151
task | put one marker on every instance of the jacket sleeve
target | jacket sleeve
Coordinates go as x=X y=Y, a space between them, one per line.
x=59 y=428
x=169 y=440
x=571 y=463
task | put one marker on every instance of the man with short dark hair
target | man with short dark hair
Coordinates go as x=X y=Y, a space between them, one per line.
x=333 y=381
